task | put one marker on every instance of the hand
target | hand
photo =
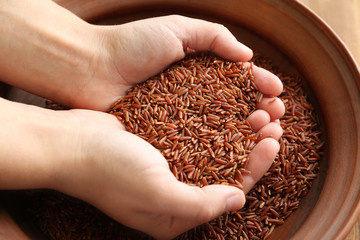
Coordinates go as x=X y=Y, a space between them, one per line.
x=87 y=66
x=130 y=53
x=129 y=180
x=87 y=154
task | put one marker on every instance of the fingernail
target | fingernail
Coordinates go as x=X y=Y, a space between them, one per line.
x=234 y=202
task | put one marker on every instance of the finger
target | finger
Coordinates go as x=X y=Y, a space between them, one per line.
x=270 y=130
x=200 y=35
x=274 y=106
x=260 y=159
x=267 y=82
x=258 y=119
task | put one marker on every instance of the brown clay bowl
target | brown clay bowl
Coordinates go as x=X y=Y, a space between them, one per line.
x=298 y=41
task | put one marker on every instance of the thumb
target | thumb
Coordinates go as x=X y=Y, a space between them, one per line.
x=192 y=206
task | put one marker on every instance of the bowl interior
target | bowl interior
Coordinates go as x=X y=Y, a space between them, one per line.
x=297 y=42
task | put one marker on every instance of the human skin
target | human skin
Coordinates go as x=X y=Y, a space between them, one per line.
x=85 y=152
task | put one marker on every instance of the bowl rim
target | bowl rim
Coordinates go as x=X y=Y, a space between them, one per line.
x=355 y=69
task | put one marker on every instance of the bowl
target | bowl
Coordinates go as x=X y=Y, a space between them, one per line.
x=297 y=41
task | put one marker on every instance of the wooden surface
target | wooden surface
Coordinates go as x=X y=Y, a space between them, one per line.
x=344 y=18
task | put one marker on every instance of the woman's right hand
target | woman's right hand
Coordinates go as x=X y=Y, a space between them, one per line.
x=129 y=180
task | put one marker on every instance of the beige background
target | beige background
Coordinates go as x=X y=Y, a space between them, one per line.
x=343 y=16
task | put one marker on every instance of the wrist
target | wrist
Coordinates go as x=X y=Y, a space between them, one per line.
x=35 y=143
x=56 y=48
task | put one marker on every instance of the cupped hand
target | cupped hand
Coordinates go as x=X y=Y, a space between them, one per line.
x=129 y=180
x=130 y=53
